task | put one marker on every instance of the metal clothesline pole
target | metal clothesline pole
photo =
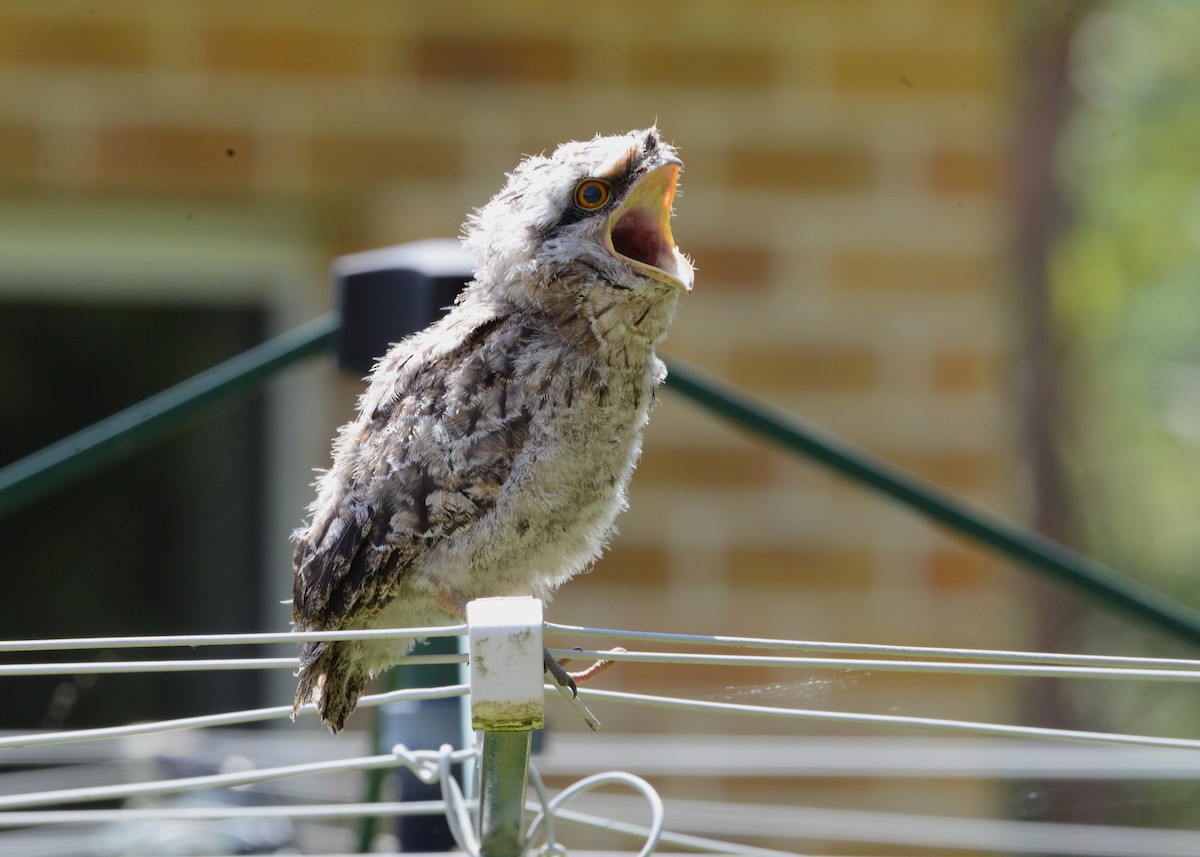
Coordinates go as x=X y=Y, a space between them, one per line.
x=503 y=772
x=507 y=704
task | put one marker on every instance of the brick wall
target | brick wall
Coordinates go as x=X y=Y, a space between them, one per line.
x=844 y=200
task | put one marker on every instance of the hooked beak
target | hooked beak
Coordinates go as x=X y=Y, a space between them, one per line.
x=639 y=230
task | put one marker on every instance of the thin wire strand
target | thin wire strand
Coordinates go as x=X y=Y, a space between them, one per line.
x=682 y=840
x=1016 y=664
x=876 y=665
x=887 y=658
x=429 y=766
x=869 y=648
x=206 y=781
x=194 y=665
x=229 y=718
x=900 y=658
x=542 y=803
x=839 y=825
x=353 y=810
x=292 y=637
x=972 y=834
x=844 y=717
x=458 y=819
x=657 y=811
x=24 y=818
x=1013 y=670
x=153 y=642
x=111 y=667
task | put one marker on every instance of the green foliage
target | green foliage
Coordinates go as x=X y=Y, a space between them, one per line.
x=1126 y=298
x=1126 y=280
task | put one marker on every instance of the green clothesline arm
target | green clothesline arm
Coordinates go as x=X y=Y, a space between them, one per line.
x=135 y=428
x=1008 y=538
x=150 y=421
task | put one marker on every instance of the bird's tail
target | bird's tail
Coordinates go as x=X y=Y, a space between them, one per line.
x=332 y=679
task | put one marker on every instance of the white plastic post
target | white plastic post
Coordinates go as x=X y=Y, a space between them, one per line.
x=507 y=704
x=507 y=684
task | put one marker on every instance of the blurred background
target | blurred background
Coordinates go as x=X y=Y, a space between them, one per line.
x=961 y=234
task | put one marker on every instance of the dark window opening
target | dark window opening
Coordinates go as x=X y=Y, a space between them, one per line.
x=165 y=542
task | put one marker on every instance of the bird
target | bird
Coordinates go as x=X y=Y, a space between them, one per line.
x=491 y=451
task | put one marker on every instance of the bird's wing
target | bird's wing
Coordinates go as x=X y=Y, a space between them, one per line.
x=437 y=435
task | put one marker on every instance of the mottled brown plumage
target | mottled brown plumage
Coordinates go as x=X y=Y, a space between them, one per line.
x=492 y=450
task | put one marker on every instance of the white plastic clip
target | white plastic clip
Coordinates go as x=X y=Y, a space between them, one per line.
x=507 y=693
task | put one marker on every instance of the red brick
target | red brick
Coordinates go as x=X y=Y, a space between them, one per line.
x=365 y=160
x=955 y=173
x=709 y=66
x=814 y=368
x=284 y=51
x=913 y=274
x=174 y=157
x=635 y=565
x=729 y=267
x=20 y=152
x=798 y=566
x=958 y=568
x=789 y=168
x=915 y=70
x=465 y=59
x=965 y=372
x=72 y=43
x=706 y=467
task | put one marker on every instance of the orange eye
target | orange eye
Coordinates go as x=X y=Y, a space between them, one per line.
x=590 y=194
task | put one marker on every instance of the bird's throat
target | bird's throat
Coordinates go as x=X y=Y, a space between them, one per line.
x=628 y=318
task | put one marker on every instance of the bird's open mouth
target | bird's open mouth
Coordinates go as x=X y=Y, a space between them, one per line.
x=639 y=230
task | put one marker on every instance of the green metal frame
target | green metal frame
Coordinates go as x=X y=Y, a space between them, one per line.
x=169 y=412
x=80 y=455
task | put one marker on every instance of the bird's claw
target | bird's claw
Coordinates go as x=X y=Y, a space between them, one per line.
x=569 y=679
x=560 y=674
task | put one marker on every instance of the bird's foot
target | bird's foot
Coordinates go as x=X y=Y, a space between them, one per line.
x=452 y=602
x=558 y=672
x=571 y=679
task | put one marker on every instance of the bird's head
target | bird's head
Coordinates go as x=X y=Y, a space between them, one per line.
x=590 y=223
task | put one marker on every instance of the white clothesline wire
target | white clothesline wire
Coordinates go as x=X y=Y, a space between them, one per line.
x=1023 y=664
x=360 y=810
x=293 y=637
x=193 y=665
x=208 y=781
x=243 y=778
x=874 y=665
x=845 y=717
x=265 y=638
x=428 y=765
x=841 y=717
x=543 y=823
x=878 y=665
x=952 y=661
x=228 y=718
x=1004 y=663
x=22 y=818
x=971 y=727
x=870 y=648
x=839 y=825
x=973 y=834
